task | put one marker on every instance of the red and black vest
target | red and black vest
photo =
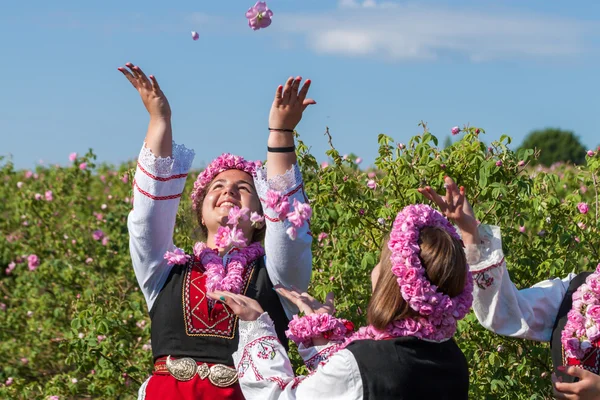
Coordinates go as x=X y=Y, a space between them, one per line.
x=183 y=324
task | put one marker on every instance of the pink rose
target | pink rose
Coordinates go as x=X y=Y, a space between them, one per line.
x=583 y=208
x=33 y=262
x=455 y=130
x=72 y=157
x=83 y=166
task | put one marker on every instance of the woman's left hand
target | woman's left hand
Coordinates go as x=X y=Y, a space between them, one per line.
x=289 y=104
x=587 y=388
x=244 y=307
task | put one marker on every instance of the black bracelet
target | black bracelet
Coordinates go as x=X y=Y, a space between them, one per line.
x=290 y=149
x=281 y=130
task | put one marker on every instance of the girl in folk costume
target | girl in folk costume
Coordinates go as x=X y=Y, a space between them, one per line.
x=564 y=312
x=421 y=288
x=193 y=337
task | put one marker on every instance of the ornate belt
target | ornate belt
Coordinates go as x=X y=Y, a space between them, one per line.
x=184 y=369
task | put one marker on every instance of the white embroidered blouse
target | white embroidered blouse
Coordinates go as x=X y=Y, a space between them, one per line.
x=265 y=371
x=158 y=185
x=502 y=308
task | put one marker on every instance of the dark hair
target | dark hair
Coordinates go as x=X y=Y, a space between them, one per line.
x=445 y=264
x=202 y=232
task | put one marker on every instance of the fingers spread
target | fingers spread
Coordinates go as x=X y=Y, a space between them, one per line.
x=141 y=76
x=278 y=96
x=154 y=83
x=304 y=91
x=294 y=90
x=129 y=77
x=287 y=89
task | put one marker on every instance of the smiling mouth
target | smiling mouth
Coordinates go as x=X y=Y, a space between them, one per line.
x=227 y=204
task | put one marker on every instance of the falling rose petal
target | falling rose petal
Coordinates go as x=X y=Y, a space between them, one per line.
x=195 y=35
x=259 y=16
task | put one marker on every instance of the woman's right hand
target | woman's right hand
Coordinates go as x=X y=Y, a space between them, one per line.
x=305 y=302
x=454 y=206
x=152 y=96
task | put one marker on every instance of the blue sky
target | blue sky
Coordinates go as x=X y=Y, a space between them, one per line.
x=377 y=66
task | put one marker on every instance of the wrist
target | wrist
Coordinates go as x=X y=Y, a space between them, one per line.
x=280 y=139
x=160 y=118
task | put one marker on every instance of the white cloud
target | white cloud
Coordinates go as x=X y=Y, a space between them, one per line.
x=408 y=32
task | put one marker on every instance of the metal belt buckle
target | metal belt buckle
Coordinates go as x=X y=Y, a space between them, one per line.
x=184 y=369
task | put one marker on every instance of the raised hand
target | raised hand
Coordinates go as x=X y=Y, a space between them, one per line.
x=454 y=206
x=289 y=104
x=587 y=388
x=305 y=302
x=152 y=96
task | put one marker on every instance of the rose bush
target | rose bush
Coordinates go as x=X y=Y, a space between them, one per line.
x=74 y=324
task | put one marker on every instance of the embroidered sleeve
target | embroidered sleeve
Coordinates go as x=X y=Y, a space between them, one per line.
x=499 y=305
x=313 y=356
x=265 y=371
x=288 y=261
x=157 y=188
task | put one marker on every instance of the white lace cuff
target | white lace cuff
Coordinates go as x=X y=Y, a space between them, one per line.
x=489 y=252
x=179 y=163
x=281 y=183
x=251 y=330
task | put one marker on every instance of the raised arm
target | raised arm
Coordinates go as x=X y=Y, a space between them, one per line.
x=159 y=180
x=159 y=136
x=286 y=113
x=498 y=304
x=288 y=261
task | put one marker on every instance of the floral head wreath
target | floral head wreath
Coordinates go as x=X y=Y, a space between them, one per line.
x=440 y=310
x=224 y=162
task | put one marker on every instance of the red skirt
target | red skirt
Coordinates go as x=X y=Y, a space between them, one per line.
x=162 y=385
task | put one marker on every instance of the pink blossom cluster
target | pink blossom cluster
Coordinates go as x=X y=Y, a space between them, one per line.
x=583 y=208
x=281 y=205
x=304 y=329
x=259 y=16
x=176 y=257
x=33 y=261
x=439 y=312
x=224 y=162
x=582 y=329
x=230 y=279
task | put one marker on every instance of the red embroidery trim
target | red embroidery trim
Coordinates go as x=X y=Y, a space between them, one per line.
x=158 y=178
x=490 y=267
x=171 y=197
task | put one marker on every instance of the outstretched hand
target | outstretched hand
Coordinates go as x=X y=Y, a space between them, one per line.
x=453 y=205
x=305 y=302
x=152 y=96
x=289 y=104
x=587 y=388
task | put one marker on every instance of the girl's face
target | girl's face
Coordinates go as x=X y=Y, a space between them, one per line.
x=230 y=188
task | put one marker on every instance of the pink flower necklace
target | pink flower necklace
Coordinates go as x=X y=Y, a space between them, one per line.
x=228 y=278
x=582 y=329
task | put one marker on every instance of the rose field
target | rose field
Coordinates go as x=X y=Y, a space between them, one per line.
x=74 y=324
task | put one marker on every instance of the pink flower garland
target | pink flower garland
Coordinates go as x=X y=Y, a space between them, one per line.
x=439 y=313
x=582 y=329
x=304 y=329
x=231 y=278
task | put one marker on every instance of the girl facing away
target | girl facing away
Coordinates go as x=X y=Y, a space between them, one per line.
x=193 y=337
x=421 y=288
